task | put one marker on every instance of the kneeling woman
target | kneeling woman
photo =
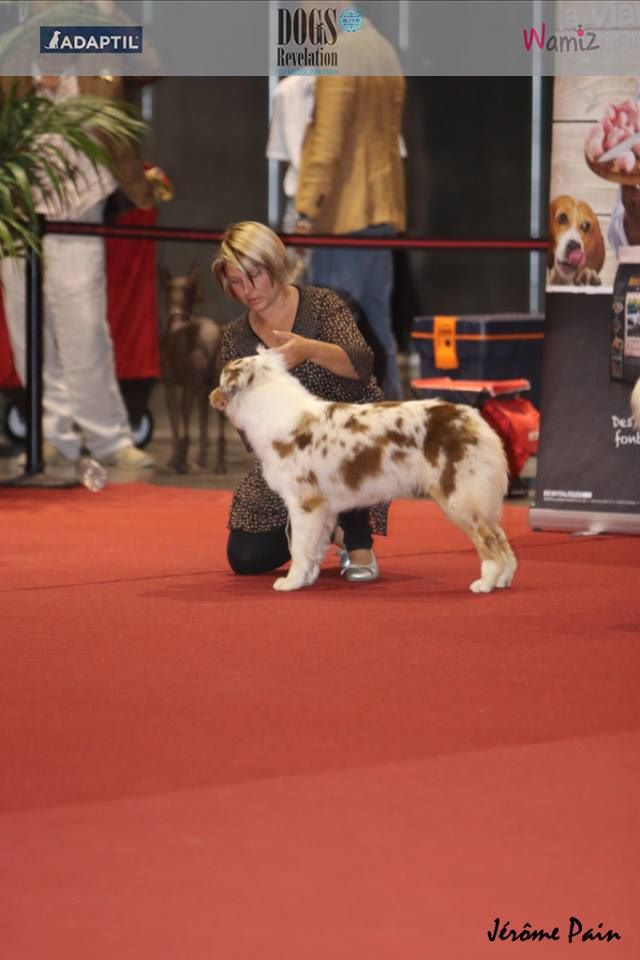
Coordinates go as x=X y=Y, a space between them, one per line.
x=323 y=348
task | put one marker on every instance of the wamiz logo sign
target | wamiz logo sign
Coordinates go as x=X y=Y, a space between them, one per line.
x=90 y=40
x=565 y=42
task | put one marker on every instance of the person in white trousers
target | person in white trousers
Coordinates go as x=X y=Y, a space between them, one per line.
x=291 y=113
x=82 y=403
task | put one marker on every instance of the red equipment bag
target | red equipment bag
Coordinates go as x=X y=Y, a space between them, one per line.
x=8 y=377
x=517 y=423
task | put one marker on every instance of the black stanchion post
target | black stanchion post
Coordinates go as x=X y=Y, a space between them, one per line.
x=34 y=358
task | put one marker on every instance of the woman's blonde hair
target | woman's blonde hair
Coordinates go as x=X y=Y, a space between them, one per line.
x=249 y=245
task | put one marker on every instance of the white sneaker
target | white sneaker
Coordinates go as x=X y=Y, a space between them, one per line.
x=129 y=458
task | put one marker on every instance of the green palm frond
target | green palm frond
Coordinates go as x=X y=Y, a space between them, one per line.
x=30 y=162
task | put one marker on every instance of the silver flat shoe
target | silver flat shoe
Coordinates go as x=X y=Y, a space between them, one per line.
x=362 y=572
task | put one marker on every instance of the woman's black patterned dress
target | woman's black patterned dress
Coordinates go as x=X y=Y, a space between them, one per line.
x=321 y=315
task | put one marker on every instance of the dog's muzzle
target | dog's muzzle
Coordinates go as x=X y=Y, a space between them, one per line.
x=220 y=398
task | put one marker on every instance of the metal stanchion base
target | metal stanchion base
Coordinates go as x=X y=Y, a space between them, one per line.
x=40 y=481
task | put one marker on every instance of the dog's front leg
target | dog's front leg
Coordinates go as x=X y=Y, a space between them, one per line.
x=171 y=396
x=317 y=547
x=307 y=531
x=588 y=277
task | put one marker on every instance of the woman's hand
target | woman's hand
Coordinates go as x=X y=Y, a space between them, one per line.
x=295 y=349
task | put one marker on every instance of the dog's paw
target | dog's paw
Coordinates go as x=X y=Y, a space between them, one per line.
x=178 y=465
x=284 y=583
x=506 y=577
x=480 y=586
x=588 y=278
x=504 y=580
x=490 y=571
x=312 y=575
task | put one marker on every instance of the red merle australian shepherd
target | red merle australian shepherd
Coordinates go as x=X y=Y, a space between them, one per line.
x=325 y=458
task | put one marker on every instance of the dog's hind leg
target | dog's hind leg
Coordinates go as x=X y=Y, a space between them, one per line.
x=485 y=539
x=186 y=407
x=508 y=557
x=492 y=561
x=311 y=524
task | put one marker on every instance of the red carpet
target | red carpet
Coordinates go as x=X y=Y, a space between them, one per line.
x=195 y=766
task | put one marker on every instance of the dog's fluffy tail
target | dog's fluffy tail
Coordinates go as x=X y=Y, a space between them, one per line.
x=635 y=404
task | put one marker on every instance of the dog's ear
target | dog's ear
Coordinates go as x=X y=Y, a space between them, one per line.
x=278 y=358
x=192 y=275
x=595 y=250
x=233 y=376
x=272 y=359
x=192 y=280
x=551 y=247
x=165 y=276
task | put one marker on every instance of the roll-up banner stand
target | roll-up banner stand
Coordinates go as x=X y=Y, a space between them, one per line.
x=588 y=477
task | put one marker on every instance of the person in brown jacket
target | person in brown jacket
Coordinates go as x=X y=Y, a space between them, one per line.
x=82 y=403
x=351 y=178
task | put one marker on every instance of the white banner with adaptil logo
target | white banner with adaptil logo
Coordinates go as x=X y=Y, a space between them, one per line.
x=84 y=39
x=275 y=37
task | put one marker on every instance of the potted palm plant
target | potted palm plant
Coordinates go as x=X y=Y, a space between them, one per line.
x=40 y=145
x=38 y=139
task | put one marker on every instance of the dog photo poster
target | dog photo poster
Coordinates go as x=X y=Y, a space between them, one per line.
x=588 y=482
x=594 y=205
